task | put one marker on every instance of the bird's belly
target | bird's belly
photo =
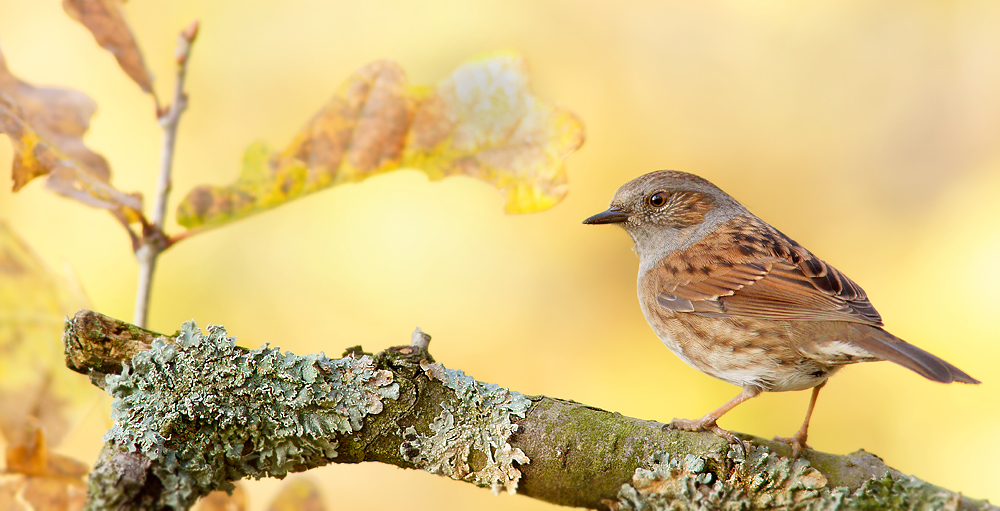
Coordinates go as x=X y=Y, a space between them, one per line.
x=740 y=351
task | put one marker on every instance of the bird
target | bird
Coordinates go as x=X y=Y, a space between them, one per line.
x=740 y=301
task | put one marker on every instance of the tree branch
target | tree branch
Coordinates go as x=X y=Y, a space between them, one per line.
x=154 y=240
x=193 y=412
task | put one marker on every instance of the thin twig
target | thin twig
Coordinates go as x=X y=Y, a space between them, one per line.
x=154 y=240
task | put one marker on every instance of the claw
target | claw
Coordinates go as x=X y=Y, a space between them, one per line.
x=709 y=425
x=797 y=442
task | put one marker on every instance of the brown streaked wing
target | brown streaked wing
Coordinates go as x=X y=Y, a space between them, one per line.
x=747 y=268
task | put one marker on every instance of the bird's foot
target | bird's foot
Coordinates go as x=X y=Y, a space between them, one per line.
x=797 y=441
x=705 y=424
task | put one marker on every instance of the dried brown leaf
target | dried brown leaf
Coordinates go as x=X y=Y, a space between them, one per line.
x=39 y=480
x=222 y=501
x=46 y=126
x=106 y=21
x=58 y=116
x=360 y=131
x=19 y=492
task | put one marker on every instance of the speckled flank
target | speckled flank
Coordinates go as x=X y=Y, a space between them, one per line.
x=476 y=450
x=765 y=480
x=209 y=412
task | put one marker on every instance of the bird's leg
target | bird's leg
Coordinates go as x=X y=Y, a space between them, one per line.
x=798 y=440
x=707 y=423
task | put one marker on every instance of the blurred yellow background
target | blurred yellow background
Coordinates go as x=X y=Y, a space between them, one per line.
x=867 y=131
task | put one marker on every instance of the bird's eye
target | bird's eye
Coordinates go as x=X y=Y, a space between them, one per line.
x=658 y=199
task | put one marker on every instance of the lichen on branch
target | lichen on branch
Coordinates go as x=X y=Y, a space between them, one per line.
x=764 y=480
x=474 y=446
x=195 y=412
x=207 y=412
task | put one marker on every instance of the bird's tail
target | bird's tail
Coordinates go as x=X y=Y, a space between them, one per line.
x=889 y=347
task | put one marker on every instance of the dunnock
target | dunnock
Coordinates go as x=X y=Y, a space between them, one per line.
x=738 y=300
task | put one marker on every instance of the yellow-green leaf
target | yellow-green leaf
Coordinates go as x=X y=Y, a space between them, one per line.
x=482 y=121
x=39 y=398
x=298 y=494
x=36 y=389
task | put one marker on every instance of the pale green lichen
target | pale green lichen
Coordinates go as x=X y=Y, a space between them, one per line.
x=765 y=480
x=910 y=493
x=676 y=484
x=773 y=481
x=207 y=412
x=469 y=439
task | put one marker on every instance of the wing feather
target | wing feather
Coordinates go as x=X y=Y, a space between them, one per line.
x=747 y=268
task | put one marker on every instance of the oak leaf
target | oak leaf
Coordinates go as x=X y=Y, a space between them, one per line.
x=298 y=494
x=39 y=399
x=46 y=126
x=37 y=479
x=106 y=21
x=482 y=121
x=224 y=501
x=35 y=388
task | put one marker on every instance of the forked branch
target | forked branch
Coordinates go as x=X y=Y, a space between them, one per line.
x=153 y=240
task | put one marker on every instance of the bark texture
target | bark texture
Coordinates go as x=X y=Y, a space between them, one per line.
x=400 y=407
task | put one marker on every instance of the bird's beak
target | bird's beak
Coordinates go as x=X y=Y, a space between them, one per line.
x=613 y=215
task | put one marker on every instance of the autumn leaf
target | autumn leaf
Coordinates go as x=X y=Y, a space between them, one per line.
x=37 y=479
x=298 y=494
x=51 y=115
x=106 y=21
x=35 y=387
x=481 y=121
x=46 y=126
x=39 y=398
x=224 y=501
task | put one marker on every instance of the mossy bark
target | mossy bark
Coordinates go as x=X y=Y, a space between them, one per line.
x=447 y=423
